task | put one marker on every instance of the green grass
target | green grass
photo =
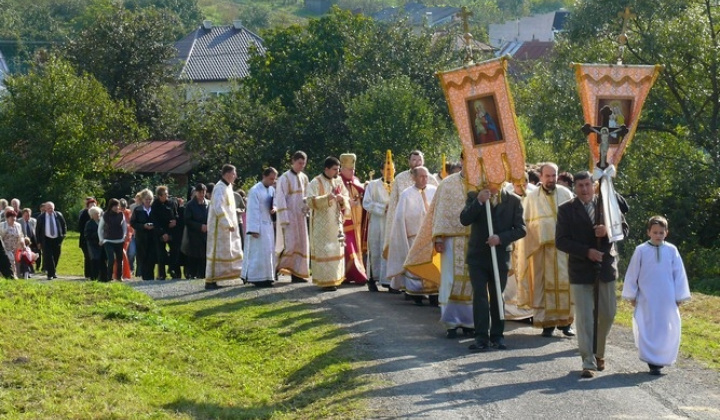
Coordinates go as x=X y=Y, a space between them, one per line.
x=90 y=350
x=71 y=257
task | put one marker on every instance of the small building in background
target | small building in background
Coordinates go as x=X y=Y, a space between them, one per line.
x=212 y=57
x=542 y=28
x=419 y=15
x=4 y=71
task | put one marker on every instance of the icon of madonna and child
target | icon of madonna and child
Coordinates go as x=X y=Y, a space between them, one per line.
x=484 y=120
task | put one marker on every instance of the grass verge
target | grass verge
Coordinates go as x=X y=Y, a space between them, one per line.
x=87 y=350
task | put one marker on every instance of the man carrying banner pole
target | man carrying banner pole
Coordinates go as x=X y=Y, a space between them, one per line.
x=489 y=249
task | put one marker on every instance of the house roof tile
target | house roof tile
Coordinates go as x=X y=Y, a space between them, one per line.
x=220 y=53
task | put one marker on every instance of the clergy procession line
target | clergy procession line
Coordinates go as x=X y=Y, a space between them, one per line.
x=411 y=234
x=507 y=252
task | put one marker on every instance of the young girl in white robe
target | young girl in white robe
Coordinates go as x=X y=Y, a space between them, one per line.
x=656 y=285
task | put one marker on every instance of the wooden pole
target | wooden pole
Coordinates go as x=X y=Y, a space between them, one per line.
x=496 y=273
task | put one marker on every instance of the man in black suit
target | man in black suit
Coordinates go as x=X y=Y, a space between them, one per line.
x=508 y=226
x=50 y=232
x=164 y=216
x=591 y=256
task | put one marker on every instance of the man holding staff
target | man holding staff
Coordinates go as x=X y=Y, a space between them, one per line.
x=497 y=228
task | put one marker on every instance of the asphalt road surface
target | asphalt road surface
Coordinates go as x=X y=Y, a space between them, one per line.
x=425 y=375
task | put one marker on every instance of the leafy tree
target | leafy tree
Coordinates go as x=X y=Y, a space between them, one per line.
x=393 y=114
x=187 y=12
x=60 y=128
x=128 y=52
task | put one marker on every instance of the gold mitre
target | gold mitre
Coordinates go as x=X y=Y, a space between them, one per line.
x=347 y=160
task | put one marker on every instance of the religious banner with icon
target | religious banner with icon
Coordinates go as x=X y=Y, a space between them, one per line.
x=481 y=106
x=612 y=97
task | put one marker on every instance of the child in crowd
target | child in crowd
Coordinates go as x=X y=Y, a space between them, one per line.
x=656 y=284
x=25 y=258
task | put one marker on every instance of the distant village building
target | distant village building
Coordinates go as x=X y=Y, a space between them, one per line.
x=319 y=6
x=211 y=57
x=418 y=14
x=532 y=28
x=3 y=72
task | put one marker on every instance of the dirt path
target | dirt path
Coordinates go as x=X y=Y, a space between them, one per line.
x=429 y=376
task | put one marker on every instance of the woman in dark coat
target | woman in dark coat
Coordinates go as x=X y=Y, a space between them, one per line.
x=92 y=244
x=195 y=235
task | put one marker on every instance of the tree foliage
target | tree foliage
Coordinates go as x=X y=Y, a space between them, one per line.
x=128 y=52
x=58 y=129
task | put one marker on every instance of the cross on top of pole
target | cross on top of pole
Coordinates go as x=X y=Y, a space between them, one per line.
x=465 y=14
x=622 y=38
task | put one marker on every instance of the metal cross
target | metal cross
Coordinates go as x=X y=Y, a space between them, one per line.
x=604 y=132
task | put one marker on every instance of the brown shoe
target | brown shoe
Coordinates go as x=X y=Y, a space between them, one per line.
x=587 y=373
x=600 y=363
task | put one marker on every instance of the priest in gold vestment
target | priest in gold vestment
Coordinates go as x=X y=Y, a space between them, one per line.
x=543 y=282
x=328 y=201
x=224 y=246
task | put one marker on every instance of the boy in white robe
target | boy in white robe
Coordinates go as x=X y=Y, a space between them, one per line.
x=656 y=284
x=259 y=267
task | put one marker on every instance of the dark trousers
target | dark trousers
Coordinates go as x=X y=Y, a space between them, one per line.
x=194 y=267
x=51 y=255
x=114 y=252
x=486 y=312
x=87 y=258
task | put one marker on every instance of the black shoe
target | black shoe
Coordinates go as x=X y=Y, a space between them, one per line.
x=393 y=291
x=433 y=300
x=547 y=332
x=296 y=279
x=655 y=369
x=212 y=286
x=418 y=300
x=266 y=283
x=451 y=333
x=468 y=332
x=567 y=331
x=499 y=344
x=329 y=289
x=479 y=347
x=372 y=286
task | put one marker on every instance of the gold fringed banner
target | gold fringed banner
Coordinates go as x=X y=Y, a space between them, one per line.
x=623 y=89
x=481 y=106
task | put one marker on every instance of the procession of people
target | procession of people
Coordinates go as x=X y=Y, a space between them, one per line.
x=484 y=255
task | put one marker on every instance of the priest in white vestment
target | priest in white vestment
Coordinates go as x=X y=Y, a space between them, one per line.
x=224 y=244
x=328 y=201
x=656 y=284
x=292 y=243
x=542 y=270
x=259 y=266
x=413 y=204
x=438 y=254
x=402 y=181
x=375 y=202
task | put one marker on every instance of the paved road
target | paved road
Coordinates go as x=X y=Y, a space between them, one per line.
x=426 y=375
